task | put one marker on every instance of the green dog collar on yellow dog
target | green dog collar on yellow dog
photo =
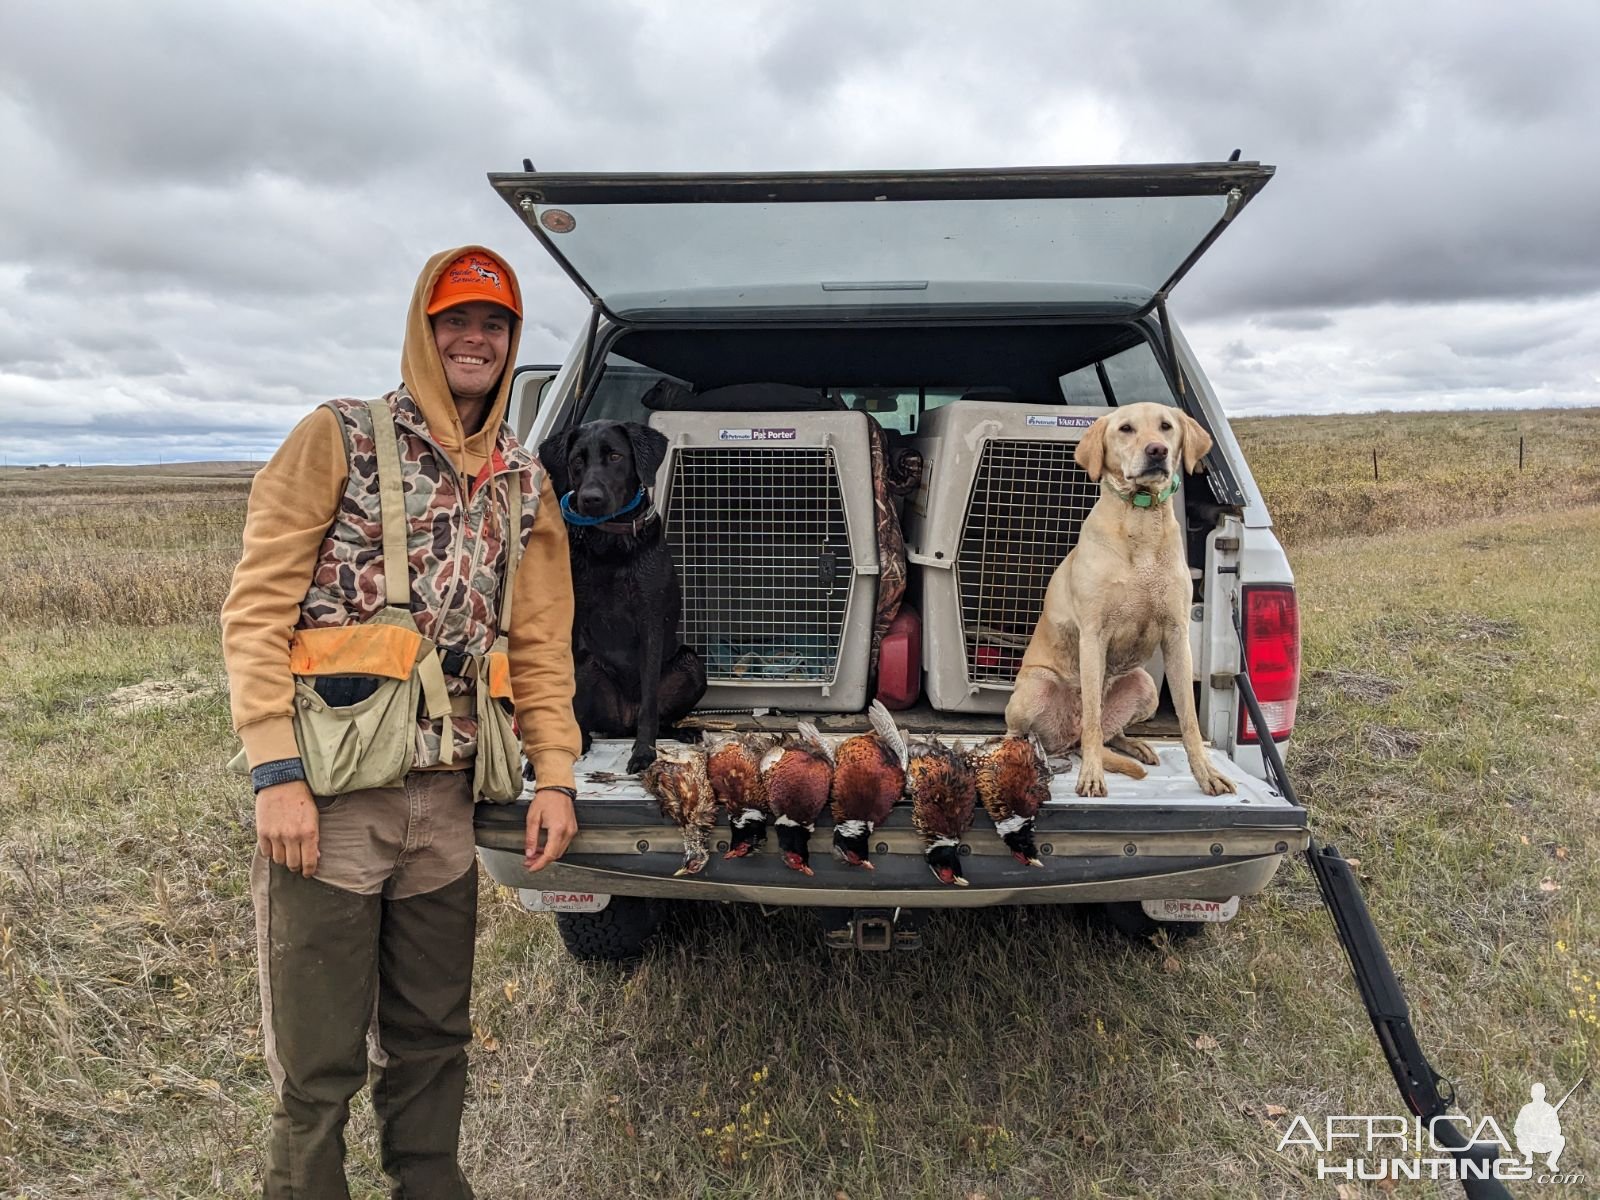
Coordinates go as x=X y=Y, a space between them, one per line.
x=1141 y=499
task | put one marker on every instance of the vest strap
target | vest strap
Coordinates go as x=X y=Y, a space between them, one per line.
x=513 y=551
x=392 y=505
x=436 y=700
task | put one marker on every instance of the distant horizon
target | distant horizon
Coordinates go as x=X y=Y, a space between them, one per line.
x=185 y=281
x=257 y=458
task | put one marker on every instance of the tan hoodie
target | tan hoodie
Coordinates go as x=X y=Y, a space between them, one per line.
x=293 y=501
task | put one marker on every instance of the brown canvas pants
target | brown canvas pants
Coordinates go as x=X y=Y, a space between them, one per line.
x=371 y=959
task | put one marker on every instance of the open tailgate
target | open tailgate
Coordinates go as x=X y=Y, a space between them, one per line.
x=1160 y=830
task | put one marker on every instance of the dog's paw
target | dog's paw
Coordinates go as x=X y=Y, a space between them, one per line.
x=1091 y=781
x=1210 y=780
x=641 y=759
x=1137 y=748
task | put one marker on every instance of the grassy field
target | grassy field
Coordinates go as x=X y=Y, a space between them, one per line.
x=1316 y=472
x=1449 y=723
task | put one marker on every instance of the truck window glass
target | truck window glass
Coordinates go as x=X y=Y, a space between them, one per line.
x=618 y=396
x=1134 y=374
x=1083 y=387
x=895 y=408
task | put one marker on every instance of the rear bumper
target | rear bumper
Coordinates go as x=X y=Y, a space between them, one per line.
x=1092 y=881
x=1089 y=854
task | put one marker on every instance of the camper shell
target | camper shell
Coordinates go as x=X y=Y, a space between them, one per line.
x=980 y=320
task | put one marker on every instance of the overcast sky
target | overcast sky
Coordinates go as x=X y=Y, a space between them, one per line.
x=212 y=214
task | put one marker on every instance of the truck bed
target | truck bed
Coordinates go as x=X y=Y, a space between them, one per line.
x=921 y=718
x=1158 y=837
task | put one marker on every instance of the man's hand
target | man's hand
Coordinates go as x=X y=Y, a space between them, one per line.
x=550 y=812
x=286 y=826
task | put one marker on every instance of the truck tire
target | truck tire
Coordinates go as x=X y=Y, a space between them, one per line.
x=1129 y=918
x=619 y=932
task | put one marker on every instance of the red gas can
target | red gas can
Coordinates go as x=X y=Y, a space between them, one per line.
x=900 y=660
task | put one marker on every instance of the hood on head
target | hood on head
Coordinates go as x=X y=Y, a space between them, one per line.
x=423 y=371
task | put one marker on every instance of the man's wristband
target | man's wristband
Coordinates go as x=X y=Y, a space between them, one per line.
x=280 y=770
x=569 y=793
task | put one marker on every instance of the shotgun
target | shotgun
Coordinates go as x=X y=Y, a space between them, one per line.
x=1426 y=1093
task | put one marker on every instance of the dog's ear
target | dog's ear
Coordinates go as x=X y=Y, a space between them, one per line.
x=1196 y=442
x=649 y=451
x=1091 y=451
x=554 y=452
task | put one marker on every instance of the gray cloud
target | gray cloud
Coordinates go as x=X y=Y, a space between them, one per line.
x=1467 y=355
x=250 y=91
x=1303 y=322
x=212 y=214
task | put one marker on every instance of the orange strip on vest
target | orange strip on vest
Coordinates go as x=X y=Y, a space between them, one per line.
x=375 y=649
x=499 y=670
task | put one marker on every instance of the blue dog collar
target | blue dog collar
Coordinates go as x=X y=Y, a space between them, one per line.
x=573 y=518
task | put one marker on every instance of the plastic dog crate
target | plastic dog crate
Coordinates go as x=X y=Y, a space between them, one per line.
x=999 y=507
x=770 y=520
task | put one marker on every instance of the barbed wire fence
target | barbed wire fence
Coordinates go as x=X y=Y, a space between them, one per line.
x=1521 y=459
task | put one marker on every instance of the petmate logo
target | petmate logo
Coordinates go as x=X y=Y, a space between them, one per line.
x=756 y=435
x=1392 y=1147
x=1060 y=422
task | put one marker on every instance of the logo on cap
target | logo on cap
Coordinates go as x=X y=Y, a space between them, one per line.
x=473 y=276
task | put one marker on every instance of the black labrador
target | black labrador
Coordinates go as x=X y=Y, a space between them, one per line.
x=633 y=673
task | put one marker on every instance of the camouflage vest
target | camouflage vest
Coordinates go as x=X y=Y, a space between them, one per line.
x=456 y=545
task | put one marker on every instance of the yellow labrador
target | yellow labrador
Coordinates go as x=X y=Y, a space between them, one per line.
x=1123 y=590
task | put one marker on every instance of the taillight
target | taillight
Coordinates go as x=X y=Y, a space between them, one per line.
x=1272 y=656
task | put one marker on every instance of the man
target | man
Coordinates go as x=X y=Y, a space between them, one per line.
x=366 y=902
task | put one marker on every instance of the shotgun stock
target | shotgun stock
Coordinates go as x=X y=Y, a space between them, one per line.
x=1426 y=1093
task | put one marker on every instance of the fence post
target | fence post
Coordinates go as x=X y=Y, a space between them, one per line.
x=1519 y=454
x=1374 y=466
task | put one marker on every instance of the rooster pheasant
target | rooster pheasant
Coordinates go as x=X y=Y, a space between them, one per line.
x=1013 y=781
x=734 y=765
x=798 y=773
x=678 y=781
x=943 y=793
x=869 y=777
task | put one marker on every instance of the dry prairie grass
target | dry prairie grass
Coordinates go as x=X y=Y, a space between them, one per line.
x=1433 y=468
x=1024 y=1053
x=116 y=547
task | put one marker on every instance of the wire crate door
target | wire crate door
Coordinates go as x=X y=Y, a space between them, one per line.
x=763 y=554
x=1027 y=505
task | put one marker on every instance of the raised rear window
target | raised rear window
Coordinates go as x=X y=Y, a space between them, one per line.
x=1086 y=239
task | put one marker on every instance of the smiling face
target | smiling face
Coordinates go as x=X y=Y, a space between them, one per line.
x=1142 y=445
x=474 y=340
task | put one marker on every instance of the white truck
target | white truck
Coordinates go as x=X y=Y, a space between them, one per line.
x=981 y=319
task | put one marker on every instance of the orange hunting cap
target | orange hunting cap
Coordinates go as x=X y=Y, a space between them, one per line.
x=473 y=276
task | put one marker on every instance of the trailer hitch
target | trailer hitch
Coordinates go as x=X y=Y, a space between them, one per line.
x=870 y=929
x=1426 y=1093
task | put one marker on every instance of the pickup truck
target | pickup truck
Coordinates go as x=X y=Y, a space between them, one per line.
x=980 y=319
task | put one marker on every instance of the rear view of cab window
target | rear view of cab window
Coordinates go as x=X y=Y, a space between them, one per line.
x=1133 y=376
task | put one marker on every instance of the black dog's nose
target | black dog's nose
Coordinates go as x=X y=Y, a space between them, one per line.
x=592 y=502
x=1156 y=450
